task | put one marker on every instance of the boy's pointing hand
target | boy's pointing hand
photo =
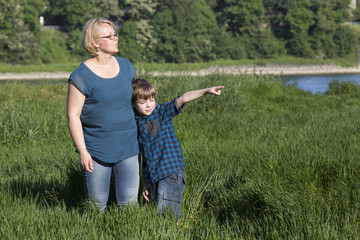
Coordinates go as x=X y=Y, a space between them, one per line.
x=215 y=90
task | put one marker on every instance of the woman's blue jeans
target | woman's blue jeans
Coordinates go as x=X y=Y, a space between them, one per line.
x=126 y=175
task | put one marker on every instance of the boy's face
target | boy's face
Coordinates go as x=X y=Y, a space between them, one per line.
x=145 y=106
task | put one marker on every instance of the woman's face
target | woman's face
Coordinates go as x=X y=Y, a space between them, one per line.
x=107 y=39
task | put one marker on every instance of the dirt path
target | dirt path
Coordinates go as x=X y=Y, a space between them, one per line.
x=270 y=69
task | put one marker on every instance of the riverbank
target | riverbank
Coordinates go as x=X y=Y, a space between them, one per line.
x=270 y=69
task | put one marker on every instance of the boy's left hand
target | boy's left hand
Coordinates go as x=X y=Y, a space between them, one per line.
x=215 y=90
x=146 y=192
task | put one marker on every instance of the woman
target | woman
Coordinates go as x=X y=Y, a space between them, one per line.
x=100 y=117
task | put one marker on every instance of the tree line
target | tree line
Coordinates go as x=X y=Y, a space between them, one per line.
x=179 y=30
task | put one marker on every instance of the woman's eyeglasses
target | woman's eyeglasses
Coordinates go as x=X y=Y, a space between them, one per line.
x=111 y=37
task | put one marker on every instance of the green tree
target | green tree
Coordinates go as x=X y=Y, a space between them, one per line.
x=240 y=16
x=185 y=30
x=345 y=40
x=299 y=19
x=72 y=15
x=330 y=12
x=53 y=47
x=328 y=15
x=265 y=44
x=129 y=47
x=69 y=14
x=140 y=12
x=246 y=19
x=275 y=12
x=19 y=29
x=228 y=46
x=8 y=12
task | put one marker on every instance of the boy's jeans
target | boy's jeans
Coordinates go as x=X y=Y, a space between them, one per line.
x=127 y=179
x=168 y=192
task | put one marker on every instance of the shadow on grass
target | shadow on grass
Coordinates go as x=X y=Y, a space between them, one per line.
x=69 y=193
x=237 y=201
x=52 y=193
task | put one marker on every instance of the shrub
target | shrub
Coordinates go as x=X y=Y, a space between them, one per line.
x=52 y=47
x=345 y=40
x=337 y=87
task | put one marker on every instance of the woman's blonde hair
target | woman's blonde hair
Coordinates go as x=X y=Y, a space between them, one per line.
x=90 y=32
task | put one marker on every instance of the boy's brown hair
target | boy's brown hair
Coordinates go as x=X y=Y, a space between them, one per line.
x=142 y=89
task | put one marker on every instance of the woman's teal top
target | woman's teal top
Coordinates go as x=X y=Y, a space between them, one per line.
x=107 y=117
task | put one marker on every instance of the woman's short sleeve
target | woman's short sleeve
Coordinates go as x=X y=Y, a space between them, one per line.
x=79 y=83
x=132 y=70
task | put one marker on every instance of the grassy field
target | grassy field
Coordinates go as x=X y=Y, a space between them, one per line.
x=264 y=161
x=147 y=67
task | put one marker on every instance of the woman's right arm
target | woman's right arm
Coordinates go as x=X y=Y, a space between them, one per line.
x=75 y=104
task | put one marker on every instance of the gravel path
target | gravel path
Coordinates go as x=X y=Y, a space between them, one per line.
x=34 y=76
x=270 y=69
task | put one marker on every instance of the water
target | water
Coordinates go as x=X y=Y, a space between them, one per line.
x=319 y=83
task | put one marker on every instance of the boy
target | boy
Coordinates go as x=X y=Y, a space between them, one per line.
x=163 y=162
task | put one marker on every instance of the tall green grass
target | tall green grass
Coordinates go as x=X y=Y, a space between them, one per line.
x=263 y=161
x=149 y=67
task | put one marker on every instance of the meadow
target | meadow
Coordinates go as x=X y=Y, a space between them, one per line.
x=263 y=161
x=348 y=61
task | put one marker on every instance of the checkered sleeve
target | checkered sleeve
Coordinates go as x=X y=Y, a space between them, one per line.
x=169 y=110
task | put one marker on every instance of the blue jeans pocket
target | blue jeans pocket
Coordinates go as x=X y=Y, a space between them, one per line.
x=184 y=179
x=173 y=197
x=174 y=187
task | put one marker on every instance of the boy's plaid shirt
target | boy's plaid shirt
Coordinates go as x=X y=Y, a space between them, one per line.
x=159 y=146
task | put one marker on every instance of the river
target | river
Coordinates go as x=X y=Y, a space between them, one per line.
x=319 y=84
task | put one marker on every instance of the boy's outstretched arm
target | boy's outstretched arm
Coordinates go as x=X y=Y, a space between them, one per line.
x=192 y=95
